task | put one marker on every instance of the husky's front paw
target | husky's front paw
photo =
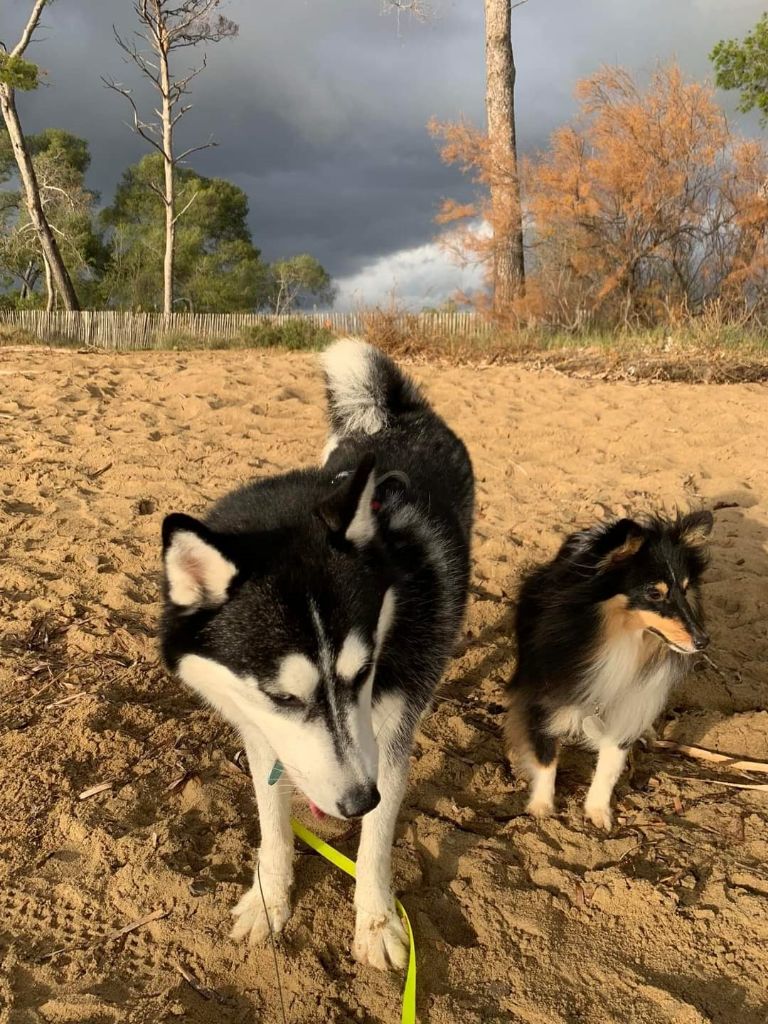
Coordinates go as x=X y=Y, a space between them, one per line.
x=600 y=815
x=253 y=920
x=380 y=940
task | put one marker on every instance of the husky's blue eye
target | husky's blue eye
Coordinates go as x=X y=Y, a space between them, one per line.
x=287 y=700
x=362 y=675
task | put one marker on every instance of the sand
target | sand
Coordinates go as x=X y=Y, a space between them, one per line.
x=665 y=921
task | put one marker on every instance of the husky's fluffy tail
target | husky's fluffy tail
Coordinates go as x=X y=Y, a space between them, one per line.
x=366 y=390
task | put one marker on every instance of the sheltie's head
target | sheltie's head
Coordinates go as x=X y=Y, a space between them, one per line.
x=649 y=572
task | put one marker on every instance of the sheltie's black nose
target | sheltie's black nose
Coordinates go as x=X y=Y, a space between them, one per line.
x=359 y=801
x=700 y=641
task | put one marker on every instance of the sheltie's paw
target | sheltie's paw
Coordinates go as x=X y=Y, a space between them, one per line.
x=600 y=815
x=540 y=808
x=380 y=940
x=648 y=737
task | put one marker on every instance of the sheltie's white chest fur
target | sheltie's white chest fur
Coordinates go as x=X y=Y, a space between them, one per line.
x=622 y=693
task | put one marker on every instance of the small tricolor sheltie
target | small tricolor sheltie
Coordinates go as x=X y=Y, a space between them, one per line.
x=604 y=631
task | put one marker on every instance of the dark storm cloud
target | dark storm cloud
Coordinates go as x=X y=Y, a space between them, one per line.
x=320 y=106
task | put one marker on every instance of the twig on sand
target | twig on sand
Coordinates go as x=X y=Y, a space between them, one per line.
x=100 y=472
x=156 y=915
x=760 y=787
x=700 y=754
x=69 y=699
x=447 y=750
x=101 y=788
x=180 y=781
x=274 y=947
x=190 y=979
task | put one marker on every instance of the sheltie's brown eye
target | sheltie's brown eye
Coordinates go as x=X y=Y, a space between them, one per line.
x=653 y=594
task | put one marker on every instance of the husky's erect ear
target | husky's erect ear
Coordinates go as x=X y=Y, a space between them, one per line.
x=696 y=527
x=618 y=542
x=197 y=573
x=347 y=509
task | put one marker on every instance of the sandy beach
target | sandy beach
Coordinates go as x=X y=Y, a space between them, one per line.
x=663 y=922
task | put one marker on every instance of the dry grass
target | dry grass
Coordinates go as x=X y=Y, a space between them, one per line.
x=16 y=336
x=702 y=350
x=698 y=352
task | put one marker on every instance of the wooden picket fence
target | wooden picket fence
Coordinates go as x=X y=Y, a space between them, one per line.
x=110 y=329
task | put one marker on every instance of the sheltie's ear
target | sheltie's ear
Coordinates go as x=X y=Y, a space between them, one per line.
x=696 y=527
x=618 y=542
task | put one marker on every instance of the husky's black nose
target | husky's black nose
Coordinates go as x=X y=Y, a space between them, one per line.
x=700 y=641
x=358 y=801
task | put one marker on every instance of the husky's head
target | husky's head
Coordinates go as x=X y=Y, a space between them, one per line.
x=281 y=629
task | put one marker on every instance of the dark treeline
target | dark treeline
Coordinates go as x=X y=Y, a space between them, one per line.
x=646 y=209
x=114 y=254
x=171 y=239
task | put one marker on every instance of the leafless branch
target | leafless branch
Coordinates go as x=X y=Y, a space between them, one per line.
x=55 y=188
x=157 y=190
x=29 y=28
x=211 y=144
x=179 y=114
x=420 y=9
x=170 y=25
x=179 y=87
x=186 y=207
x=140 y=59
x=143 y=128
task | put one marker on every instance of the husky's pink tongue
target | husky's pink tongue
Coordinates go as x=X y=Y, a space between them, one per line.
x=316 y=811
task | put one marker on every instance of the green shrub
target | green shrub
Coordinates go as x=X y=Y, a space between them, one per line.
x=294 y=334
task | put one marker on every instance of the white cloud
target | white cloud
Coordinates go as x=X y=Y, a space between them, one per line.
x=422 y=276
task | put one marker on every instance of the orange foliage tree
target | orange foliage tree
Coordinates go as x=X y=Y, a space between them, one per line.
x=642 y=210
x=475 y=232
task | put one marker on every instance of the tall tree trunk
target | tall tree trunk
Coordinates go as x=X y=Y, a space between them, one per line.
x=50 y=294
x=45 y=236
x=28 y=279
x=170 y=198
x=506 y=210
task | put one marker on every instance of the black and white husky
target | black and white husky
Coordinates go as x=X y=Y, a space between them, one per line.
x=316 y=610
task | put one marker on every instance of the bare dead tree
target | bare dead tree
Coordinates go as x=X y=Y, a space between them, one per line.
x=56 y=271
x=508 y=253
x=167 y=26
x=419 y=9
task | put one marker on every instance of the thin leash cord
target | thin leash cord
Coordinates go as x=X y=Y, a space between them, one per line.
x=343 y=863
x=274 y=946
x=348 y=866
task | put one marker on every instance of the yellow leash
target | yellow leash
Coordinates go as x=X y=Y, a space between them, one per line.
x=345 y=864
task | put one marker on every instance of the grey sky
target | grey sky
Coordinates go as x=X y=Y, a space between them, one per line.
x=320 y=106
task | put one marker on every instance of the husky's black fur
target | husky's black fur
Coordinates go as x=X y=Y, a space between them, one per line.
x=317 y=610
x=276 y=532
